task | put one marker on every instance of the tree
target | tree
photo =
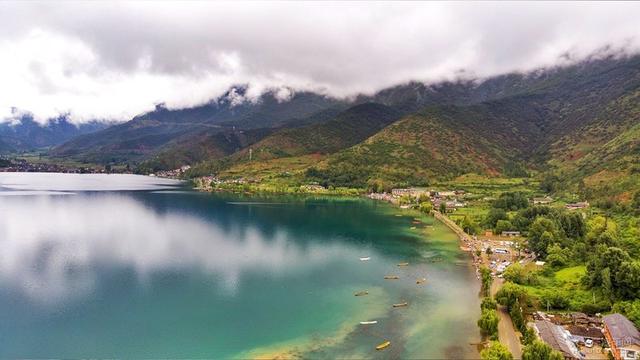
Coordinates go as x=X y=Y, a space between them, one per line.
x=488 y=323
x=515 y=273
x=510 y=295
x=538 y=350
x=635 y=202
x=503 y=225
x=488 y=304
x=541 y=234
x=628 y=280
x=511 y=201
x=443 y=208
x=487 y=280
x=496 y=351
x=469 y=226
x=426 y=207
x=494 y=215
x=557 y=257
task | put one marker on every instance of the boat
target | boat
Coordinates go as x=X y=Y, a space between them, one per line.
x=401 y=304
x=361 y=293
x=365 y=258
x=392 y=277
x=420 y=281
x=368 y=322
x=384 y=345
x=403 y=264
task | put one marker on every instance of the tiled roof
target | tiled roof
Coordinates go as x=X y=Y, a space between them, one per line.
x=622 y=330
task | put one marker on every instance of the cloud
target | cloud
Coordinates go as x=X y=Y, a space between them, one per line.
x=114 y=60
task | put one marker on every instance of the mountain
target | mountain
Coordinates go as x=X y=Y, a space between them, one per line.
x=157 y=132
x=580 y=121
x=346 y=129
x=27 y=134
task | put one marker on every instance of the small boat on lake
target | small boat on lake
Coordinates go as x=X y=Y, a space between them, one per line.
x=392 y=277
x=403 y=264
x=361 y=293
x=400 y=304
x=365 y=258
x=368 y=322
x=421 y=281
x=384 y=345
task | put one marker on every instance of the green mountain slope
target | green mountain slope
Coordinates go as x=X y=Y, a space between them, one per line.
x=346 y=129
x=147 y=135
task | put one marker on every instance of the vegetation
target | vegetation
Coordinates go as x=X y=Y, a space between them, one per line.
x=496 y=351
x=538 y=350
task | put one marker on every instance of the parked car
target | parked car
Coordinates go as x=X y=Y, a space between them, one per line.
x=588 y=343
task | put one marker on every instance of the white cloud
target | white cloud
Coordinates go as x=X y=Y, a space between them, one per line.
x=113 y=60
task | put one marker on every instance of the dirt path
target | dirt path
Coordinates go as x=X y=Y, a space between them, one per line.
x=507 y=334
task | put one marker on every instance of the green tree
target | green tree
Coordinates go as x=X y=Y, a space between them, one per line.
x=627 y=280
x=469 y=226
x=538 y=350
x=515 y=273
x=496 y=351
x=488 y=303
x=487 y=280
x=443 y=207
x=541 y=234
x=557 y=257
x=503 y=225
x=488 y=323
x=493 y=216
x=426 y=207
x=511 y=295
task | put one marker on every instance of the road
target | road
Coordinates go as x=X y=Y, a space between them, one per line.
x=507 y=334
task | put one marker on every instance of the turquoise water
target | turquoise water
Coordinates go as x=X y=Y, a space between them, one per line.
x=130 y=266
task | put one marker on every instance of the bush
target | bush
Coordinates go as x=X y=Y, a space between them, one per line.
x=488 y=323
x=496 y=351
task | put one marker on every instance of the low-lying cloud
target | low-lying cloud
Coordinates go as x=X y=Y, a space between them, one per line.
x=114 y=60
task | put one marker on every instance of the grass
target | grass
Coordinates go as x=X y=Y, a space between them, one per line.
x=571 y=275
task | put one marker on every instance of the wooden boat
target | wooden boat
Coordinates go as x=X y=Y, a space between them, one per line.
x=392 y=277
x=403 y=264
x=361 y=293
x=384 y=345
x=368 y=322
x=401 y=304
x=420 y=281
x=365 y=258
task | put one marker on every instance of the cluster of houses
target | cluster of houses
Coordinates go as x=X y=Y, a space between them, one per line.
x=172 y=174
x=566 y=333
x=451 y=199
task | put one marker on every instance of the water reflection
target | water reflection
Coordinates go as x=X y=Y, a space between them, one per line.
x=53 y=247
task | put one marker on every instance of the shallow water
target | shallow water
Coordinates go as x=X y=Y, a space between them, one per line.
x=128 y=266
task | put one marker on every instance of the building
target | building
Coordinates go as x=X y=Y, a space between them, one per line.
x=542 y=200
x=578 y=205
x=510 y=233
x=558 y=338
x=622 y=336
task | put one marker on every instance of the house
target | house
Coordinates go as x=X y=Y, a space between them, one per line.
x=578 y=205
x=558 y=338
x=413 y=192
x=622 y=336
x=542 y=200
x=582 y=333
x=510 y=233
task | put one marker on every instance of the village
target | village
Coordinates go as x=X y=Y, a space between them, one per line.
x=575 y=335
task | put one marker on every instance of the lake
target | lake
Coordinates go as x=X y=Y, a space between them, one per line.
x=140 y=267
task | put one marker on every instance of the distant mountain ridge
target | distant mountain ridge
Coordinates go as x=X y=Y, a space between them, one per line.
x=547 y=120
x=26 y=134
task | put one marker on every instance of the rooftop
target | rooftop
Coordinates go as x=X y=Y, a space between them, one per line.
x=622 y=329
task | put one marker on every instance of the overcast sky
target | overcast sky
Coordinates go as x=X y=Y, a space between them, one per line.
x=113 y=60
